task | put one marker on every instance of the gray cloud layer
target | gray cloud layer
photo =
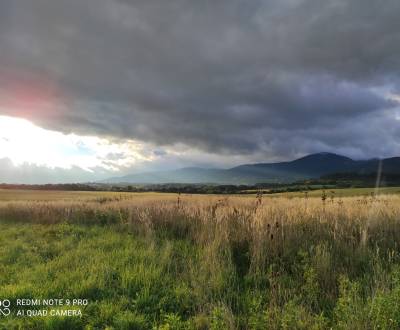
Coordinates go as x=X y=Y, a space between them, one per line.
x=238 y=77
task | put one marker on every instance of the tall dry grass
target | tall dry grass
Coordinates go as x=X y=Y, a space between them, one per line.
x=253 y=230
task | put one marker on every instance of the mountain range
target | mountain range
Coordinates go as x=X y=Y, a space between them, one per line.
x=311 y=166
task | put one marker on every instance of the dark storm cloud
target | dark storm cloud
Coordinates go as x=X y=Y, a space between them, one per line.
x=284 y=77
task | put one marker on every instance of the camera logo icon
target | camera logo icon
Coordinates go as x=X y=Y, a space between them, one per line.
x=5 y=307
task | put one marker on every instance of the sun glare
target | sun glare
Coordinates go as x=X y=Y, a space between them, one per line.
x=23 y=142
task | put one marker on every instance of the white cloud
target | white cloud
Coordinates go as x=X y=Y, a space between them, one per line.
x=23 y=142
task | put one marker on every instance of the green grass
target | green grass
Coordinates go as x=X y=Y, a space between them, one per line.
x=134 y=284
x=129 y=283
x=205 y=264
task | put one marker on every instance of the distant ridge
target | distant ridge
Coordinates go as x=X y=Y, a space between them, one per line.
x=307 y=167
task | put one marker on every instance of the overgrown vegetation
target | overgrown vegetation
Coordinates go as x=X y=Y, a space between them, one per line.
x=206 y=262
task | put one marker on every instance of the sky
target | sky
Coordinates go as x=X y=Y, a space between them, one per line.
x=91 y=89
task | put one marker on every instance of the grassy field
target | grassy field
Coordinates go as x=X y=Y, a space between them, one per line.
x=154 y=261
x=53 y=195
x=345 y=192
x=338 y=192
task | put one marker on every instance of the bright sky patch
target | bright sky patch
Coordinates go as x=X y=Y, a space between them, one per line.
x=23 y=142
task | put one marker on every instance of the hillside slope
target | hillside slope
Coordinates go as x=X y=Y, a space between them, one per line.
x=311 y=166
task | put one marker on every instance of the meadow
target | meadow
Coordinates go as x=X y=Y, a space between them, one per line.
x=168 y=261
